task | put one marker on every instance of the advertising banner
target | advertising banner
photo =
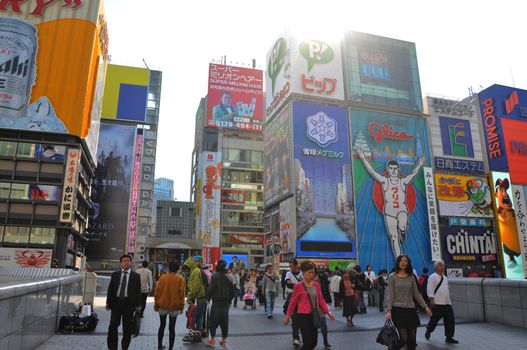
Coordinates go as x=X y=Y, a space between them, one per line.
x=69 y=191
x=278 y=75
x=519 y=193
x=233 y=196
x=459 y=165
x=515 y=136
x=245 y=240
x=108 y=226
x=25 y=257
x=474 y=245
x=210 y=198
x=496 y=103
x=505 y=213
x=125 y=93
x=235 y=98
x=287 y=225
x=146 y=186
x=134 y=198
x=44 y=193
x=316 y=66
x=50 y=53
x=466 y=196
x=390 y=196
x=277 y=158
x=324 y=209
x=382 y=71
x=433 y=221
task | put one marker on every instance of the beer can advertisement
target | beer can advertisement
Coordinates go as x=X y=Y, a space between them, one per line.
x=25 y=257
x=50 y=53
x=389 y=152
x=324 y=202
x=111 y=191
x=235 y=99
x=465 y=196
x=505 y=212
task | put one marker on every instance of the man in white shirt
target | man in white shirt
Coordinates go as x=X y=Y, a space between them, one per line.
x=146 y=284
x=440 y=303
x=334 y=287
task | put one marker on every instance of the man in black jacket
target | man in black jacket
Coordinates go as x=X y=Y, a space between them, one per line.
x=221 y=291
x=124 y=297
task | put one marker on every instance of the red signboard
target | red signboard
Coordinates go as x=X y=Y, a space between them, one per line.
x=515 y=132
x=235 y=98
x=233 y=196
x=248 y=239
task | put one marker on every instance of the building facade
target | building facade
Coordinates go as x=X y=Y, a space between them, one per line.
x=163 y=189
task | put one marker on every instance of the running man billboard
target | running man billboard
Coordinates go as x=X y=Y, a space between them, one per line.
x=111 y=192
x=390 y=196
x=324 y=215
x=53 y=56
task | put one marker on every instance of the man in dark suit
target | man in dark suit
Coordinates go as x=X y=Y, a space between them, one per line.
x=225 y=111
x=124 y=297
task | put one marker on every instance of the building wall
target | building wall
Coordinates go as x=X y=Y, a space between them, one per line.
x=175 y=220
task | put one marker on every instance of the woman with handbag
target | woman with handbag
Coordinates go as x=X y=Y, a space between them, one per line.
x=348 y=295
x=307 y=296
x=402 y=291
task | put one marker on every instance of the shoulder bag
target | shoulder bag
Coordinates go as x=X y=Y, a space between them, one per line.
x=318 y=321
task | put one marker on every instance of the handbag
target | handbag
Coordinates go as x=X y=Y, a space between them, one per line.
x=136 y=324
x=315 y=314
x=388 y=335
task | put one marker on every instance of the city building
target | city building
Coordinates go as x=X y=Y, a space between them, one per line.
x=49 y=123
x=163 y=189
x=227 y=169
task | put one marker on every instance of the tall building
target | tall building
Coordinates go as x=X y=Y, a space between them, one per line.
x=227 y=169
x=49 y=122
x=340 y=113
x=163 y=189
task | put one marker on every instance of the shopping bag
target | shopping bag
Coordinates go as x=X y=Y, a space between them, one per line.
x=388 y=335
x=136 y=324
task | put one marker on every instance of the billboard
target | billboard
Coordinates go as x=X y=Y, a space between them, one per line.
x=381 y=71
x=25 y=257
x=287 y=225
x=520 y=193
x=277 y=158
x=514 y=132
x=235 y=98
x=497 y=103
x=108 y=225
x=134 y=198
x=433 y=220
x=69 y=189
x=504 y=210
x=146 y=186
x=390 y=196
x=44 y=193
x=209 y=183
x=278 y=75
x=125 y=93
x=466 y=196
x=51 y=53
x=324 y=209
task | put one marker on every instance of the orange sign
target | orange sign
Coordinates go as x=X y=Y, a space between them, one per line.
x=514 y=132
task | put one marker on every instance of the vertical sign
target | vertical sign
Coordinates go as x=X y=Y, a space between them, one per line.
x=210 y=199
x=433 y=223
x=135 y=193
x=521 y=221
x=287 y=225
x=70 y=186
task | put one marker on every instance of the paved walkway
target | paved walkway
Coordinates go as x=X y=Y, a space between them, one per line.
x=250 y=329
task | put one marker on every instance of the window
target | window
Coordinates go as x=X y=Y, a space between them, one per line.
x=174 y=232
x=7 y=148
x=19 y=191
x=42 y=235
x=211 y=140
x=26 y=150
x=175 y=212
x=4 y=189
x=16 y=234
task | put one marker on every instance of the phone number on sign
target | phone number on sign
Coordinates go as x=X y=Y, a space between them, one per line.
x=240 y=126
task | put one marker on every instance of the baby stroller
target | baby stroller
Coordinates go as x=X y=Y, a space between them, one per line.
x=250 y=301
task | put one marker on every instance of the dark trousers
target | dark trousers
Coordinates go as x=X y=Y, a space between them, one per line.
x=143 y=302
x=121 y=309
x=199 y=314
x=295 y=326
x=171 y=331
x=337 y=299
x=235 y=297
x=219 y=316
x=309 y=333
x=381 y=300
x=445 y=312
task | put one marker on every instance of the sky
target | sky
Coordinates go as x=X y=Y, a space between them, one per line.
x=460 y=45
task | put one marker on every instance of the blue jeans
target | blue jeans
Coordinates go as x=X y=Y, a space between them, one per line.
x=219 y=316
x=269 y=302
x=199 y=314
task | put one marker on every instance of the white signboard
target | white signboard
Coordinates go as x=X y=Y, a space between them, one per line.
x=69 y=190
x=518 y=193
x=25 y=257
x=277 y=75
x=433 y=222
x=210 y=191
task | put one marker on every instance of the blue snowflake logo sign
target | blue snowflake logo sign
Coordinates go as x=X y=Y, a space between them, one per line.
x=322 y=129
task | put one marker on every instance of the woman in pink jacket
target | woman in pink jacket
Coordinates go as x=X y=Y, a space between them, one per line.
x=300 y=300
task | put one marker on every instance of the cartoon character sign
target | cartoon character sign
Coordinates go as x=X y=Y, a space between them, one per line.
x=463 y=196
x=507 y=221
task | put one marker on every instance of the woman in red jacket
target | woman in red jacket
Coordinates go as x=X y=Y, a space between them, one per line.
x=304 y=294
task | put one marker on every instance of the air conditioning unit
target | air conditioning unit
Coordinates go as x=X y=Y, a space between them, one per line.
x=142 y=257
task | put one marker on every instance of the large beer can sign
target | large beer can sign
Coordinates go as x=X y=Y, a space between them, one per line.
x=18 y=48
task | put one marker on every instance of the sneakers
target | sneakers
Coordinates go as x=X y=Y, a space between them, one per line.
x=296 y=343
x=427 y=335
x=451 y=341
x=269 y=316
x=223 y=342
x=211 y=342
x=327 y=346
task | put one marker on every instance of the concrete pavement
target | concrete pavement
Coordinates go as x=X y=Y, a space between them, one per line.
x=250 y=329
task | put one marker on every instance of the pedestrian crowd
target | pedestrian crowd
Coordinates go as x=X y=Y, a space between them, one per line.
x=308 y=295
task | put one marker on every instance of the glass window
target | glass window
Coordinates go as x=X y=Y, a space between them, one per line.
x=16 y=234
x=4 y=189
x=175 y=212
x=19 y=191
x=234 y=155
x=26 y=150
x=7 y=148
x=257 y=156
x=211 y=140
x=43 y=235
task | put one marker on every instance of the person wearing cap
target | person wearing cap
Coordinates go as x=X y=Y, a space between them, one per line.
x=440 y=303
x=197 y=293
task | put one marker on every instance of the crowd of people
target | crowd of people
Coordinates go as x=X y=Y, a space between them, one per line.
x=308 y=295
